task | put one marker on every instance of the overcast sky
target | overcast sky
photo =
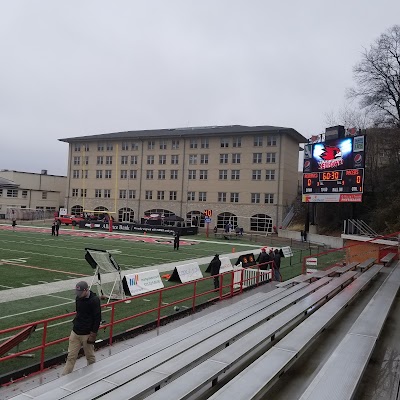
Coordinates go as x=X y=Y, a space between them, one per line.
x=85 y=67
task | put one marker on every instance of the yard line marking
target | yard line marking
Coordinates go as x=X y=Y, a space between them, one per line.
x=47 y=269
x=26 y=284
x=146 y=300
x=37 y=309
x=43 y=282
x=58 y=297
x=7 y=287
x=164 y=303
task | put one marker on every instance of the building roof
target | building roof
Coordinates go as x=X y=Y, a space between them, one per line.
x=7 y=184
x=190 y=132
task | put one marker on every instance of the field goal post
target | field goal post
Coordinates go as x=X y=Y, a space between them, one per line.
x=110 y=217
x=104 y=263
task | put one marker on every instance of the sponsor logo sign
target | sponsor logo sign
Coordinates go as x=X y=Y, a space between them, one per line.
x=189 y=272
x=312 y=261
x=143 y=282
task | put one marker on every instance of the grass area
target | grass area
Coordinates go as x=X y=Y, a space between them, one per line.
x=30 y=256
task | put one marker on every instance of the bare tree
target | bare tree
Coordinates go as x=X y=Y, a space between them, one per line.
x=349 y=118
x=377 y=79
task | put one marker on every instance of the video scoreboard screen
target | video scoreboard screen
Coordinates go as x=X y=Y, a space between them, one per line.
x=333 y=171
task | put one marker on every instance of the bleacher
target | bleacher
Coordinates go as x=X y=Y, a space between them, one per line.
x=262 y=336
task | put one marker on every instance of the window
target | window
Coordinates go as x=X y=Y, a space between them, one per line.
x=124 y=160
x=100 y=146
x=221 y=197
x=107 y=193
x=271 y=157
x=77 y=160
x=257 y=158
x=132 y=194
x=74 y=192
x=203 y=174
x=269 y=198
x=223 y=158
x=97 y=193
x=191 y=196
x=174 y=174
x=258 y=141
x=150 y=160
x=99 y=160
x=192 y=159
x=192 y=174
x=1 y=193
x=202 y=196
x=86 y=160
x=193 y=143
x=204 y=143
x=110 y=147
x=149 y=174
x=271 y=140
x=107 y=174
x=12 y=192
x=160 y=194
x=162 y=159
x=256 y=175
x=134 y=160
x=161 y=174
x=85 y=174
x=108 y=160
x=134 y=146
x=86 y=147
x=99 y=174
x=270 y=174
x=175 y=144
x=203 y=158
x=255 y=198
x=148 y=195
x=163 y=144
x=224 y=142
x=83 y=192
x=173 y=195
x=75 y=174
x=77 y=147
x=125 y=146
x=24 y=194
x=122 y=194
x=235 y=174
x=236 y=158
x=223 y=174
x=237 y=142
x=234 y=197
x=133 y=174
x=151 y=144
x=175 y=159
x=124 y=174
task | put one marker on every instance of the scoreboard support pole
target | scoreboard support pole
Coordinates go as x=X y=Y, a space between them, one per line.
x=207 y=228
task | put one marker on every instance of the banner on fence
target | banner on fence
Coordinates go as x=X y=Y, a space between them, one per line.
x=186 y=273
x=142 y=282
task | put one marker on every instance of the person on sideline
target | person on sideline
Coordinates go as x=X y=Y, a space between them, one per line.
x=214 y=267
x=53 y=229
x=176 y=241
x=277 y=269
x=263 y=259
x=85 y=326
x=58 y=223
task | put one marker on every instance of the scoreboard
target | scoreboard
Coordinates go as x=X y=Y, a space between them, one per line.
x=333 y=171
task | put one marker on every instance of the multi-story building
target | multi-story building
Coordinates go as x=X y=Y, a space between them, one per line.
x=30 y=191
x=246 y=175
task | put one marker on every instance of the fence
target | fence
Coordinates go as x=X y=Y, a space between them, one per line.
x=126 y=318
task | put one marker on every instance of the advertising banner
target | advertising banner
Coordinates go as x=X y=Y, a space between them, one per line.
x=142 y=282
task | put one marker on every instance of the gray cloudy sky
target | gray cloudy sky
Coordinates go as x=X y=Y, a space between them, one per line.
x=83 y=67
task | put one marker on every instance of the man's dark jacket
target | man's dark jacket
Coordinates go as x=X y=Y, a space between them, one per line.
x=88 y=315
x=215 y=265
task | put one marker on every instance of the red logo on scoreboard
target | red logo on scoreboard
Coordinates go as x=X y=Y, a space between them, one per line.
x=331 y=157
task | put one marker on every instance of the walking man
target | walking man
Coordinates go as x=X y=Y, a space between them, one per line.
x=214 y=267
x=176 y=241
x=58 y=223
x=85 y=326
x=53 y=228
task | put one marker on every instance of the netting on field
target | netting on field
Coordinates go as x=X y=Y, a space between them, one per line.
x=107 y=277
x=28 y=214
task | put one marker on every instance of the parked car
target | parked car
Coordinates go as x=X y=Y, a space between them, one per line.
x=69 y=219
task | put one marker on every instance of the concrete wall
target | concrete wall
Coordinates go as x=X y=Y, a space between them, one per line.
x=331 y=241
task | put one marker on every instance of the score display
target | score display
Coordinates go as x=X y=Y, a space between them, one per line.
x=333 y=171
